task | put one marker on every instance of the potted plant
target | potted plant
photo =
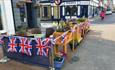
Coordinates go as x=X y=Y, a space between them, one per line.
x=58 y=62
x=81 y=20
x=64 y=27
x=21 y=31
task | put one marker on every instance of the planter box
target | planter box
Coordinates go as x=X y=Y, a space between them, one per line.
x=59 y=62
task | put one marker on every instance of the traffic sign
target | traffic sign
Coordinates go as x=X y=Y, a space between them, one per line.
x=57 y=2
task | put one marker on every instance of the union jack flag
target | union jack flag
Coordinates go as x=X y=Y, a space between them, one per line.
x=22 y=44
x=1 y=41
x=28 y=48
x=12 y=45
x=42 y=46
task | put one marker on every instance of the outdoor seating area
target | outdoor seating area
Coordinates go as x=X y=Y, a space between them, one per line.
x=34 y=46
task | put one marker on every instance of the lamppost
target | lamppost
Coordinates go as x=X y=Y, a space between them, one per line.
x=57 y=2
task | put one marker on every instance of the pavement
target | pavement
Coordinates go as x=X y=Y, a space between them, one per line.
x=13 y=65
x=96 y=51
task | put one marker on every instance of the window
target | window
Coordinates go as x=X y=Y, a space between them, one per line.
x=38 y=12
x=22 y=14
x=45 y=12
x=74 y=11
x=71 y=10
x=1 y=26
x=68 y=10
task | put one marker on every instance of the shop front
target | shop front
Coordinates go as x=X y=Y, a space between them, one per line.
x=66 y=10
x=24 y=13
x=93 y=9
x=75 y=9
x=71 y=10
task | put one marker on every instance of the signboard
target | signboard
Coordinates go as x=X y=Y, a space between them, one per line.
x=71 y=3
x=57 y=2
x=84 y=2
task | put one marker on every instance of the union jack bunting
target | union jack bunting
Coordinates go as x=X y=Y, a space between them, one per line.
x=1 y=41
x=42 y=46
x=63 y=36
x=53 y=40
x=22 y=44
x=12 y=45
x=72 y=30
x=28 y=48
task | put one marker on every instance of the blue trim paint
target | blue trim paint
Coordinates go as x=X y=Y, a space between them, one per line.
x=61 y=11
x=84 y=11
x=52 y=18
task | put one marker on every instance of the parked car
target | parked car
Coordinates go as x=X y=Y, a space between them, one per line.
x=113 y=11
x=108 y=11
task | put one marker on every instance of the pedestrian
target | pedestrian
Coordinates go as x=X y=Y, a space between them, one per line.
x=102 y=15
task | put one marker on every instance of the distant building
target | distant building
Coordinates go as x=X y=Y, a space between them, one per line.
x=24 y=13
x=68 y=9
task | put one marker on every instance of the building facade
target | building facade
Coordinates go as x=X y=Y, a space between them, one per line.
x=25 y=13
x=6 y=17
x=30 y=12
x=68 y=9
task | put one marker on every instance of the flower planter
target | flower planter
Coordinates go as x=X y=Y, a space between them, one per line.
x=59 y=62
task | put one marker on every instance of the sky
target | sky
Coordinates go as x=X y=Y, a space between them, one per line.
x=114 y=1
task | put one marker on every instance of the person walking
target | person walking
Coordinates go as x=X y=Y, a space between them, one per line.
x=102 y=15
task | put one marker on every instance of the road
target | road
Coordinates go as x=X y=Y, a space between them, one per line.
x=96 y=52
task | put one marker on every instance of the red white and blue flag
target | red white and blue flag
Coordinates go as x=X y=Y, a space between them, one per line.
x=12 y=45
x=1 y=37
x=63 y=36
x=28 y=48
x=22 y=44
x=42 y=46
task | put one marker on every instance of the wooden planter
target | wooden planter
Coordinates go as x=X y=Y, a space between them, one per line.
x=70 y=37
x=59 y=41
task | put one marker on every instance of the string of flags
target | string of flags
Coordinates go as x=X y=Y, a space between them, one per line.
x=24 y=45
x=102 y=1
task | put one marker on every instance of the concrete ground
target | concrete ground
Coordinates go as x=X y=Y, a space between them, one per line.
x=96 y=52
